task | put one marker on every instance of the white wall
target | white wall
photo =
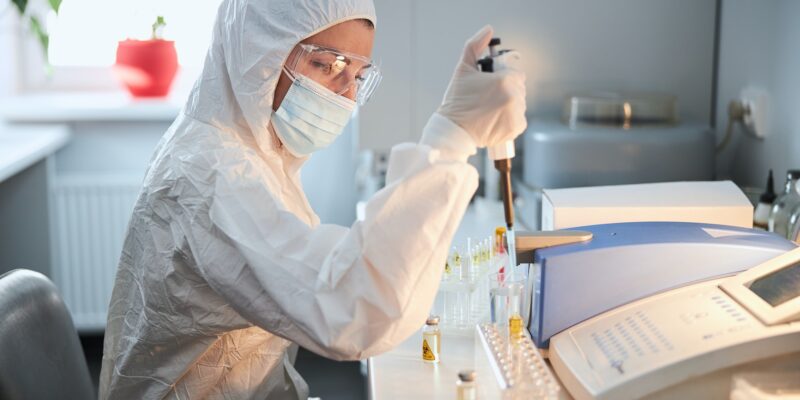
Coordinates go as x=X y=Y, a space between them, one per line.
x=760 y=45
x=569 y=45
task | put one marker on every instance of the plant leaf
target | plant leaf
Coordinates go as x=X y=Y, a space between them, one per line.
x=54 y=4
x=21 y=5
x=38 y=30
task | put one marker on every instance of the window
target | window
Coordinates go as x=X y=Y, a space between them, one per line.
x=84 y=36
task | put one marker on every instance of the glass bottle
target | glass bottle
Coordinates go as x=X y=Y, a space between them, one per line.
x=431 y=340
x=794 y=226
x=465 y=386
x=762 y=210
x=784 y=205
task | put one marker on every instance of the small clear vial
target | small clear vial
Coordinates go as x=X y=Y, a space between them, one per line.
x=431 y=340
x=465 y=386
x=456 y=257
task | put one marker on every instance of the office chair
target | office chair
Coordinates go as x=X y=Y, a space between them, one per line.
x=40 y=354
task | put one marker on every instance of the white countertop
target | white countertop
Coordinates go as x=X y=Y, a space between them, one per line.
x=401 y=373
x=21 y=147
x=83 y=106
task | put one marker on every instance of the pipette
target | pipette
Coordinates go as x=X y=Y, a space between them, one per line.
x=502 y=153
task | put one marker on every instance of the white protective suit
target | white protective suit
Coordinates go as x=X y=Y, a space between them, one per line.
x=225 y=263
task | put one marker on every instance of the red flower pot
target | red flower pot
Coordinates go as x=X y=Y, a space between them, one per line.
x=146 y=67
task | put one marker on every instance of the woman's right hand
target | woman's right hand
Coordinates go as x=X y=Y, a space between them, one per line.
x=489 y=106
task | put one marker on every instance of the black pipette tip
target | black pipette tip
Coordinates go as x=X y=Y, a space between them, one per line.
x=769 y=194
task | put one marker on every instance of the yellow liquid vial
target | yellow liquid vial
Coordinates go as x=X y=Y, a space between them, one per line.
x=431 y=346
x=515 y=326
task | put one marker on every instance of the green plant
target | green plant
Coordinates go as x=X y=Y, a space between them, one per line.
x=36 y=24
x=158 y=27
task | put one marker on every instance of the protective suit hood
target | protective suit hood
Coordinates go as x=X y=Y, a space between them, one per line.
x=250 y=43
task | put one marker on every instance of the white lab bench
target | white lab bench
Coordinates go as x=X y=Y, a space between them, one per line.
x=26 y=165
x=92 y=183
x=22 y=147
x=401 y=373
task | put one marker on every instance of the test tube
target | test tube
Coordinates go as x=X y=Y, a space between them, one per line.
x=515 y=324
x=467 y=263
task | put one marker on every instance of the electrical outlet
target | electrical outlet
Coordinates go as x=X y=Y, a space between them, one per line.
x=756 y=117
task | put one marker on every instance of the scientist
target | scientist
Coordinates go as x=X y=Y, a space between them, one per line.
x=226 y=268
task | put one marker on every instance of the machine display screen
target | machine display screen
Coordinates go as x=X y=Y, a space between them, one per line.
x=779 y=286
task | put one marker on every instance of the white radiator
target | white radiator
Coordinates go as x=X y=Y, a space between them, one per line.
x=90 y=219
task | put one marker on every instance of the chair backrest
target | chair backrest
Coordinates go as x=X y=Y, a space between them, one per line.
x=40 y=354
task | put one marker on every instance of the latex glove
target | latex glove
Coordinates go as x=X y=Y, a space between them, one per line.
x=489 y=106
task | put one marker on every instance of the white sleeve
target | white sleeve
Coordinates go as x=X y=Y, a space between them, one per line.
x=342 y=293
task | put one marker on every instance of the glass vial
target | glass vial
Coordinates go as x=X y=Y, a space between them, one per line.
x=465 y=386
x=499 y=240
x=784 y=205
x=762 y=210
x=515 y=323
x=431 y=340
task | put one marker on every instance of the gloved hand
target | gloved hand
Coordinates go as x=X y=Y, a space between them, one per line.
x=489 y=106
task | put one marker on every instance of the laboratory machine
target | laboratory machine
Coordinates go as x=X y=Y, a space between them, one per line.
x=620 y=309
x=611 y=138
x=687 y=343
x=625 y=262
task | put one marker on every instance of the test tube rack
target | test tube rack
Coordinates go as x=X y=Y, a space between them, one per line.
x=511 y=368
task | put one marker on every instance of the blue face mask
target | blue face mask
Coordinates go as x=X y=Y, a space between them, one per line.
x=310 y=117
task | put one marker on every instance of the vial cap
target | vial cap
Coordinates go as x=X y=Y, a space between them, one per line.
x=432 y=320
x=793 y=174
x=500 y=230
x=467 y=375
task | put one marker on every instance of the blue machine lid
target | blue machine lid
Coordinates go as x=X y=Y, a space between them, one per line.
x=633 y=233
x=600 y=269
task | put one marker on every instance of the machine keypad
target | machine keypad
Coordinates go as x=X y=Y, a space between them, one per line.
x=632 y=339
x=635 y=336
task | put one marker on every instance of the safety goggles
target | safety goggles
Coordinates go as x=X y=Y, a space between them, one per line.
x=344 y=74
